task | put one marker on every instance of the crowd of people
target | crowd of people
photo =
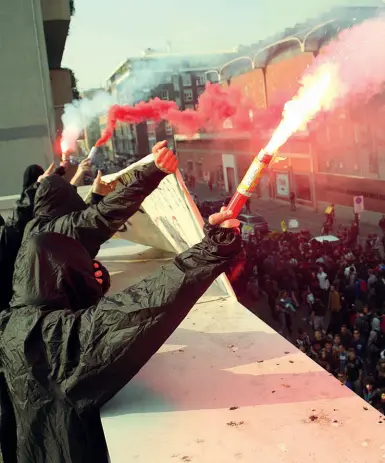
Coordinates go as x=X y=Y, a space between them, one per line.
x=334 y=293
x=65 y=347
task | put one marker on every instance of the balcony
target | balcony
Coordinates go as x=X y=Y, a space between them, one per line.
x=61 y=84
x=57 y=17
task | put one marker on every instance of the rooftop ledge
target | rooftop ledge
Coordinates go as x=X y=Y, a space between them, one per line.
x=227 y=388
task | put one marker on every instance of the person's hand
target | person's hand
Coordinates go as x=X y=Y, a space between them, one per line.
x=98 y=273
x=101 y=188
x=47 y=173
x=224 y=220
x=165 y=159
x=83 y=168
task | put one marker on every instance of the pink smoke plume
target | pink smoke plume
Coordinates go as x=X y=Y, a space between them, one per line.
x=215 y=106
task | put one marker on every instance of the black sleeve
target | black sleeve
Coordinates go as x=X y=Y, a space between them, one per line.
x=99 y=222
x=96 y=198
x=23 y=212
x=121 y=334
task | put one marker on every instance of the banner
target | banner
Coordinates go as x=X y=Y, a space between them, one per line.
x=168 y=219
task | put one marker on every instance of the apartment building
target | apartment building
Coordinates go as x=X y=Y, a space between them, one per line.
x=33 y=87
x=339 y=157
x=168 y=76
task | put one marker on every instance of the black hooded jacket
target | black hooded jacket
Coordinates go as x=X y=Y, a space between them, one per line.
x=63 y=354
x=11 y=235
x=59 y=209
x=30 y=176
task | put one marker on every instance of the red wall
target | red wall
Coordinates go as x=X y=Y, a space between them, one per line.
x=252 y=84
x=282 y=78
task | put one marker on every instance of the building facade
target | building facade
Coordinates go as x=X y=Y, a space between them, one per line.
x=342 y=155
x=179 y=78
x=33 y=88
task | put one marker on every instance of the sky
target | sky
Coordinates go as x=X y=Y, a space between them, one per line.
x=104 y=34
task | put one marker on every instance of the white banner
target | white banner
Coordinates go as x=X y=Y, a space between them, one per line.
x=169 y=219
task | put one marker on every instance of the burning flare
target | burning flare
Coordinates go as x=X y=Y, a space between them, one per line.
x=317 y=93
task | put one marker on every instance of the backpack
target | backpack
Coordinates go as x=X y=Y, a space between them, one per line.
x=379 y=342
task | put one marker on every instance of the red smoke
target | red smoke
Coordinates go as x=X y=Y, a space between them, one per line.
x=155 y=109
x=215 y=106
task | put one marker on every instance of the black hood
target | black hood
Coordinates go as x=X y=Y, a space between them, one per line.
x=31 y=174
x=56 y=197
x=54 y=272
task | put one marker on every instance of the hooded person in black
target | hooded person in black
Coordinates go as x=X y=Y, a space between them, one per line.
x=30 y=176
x=59 y=209
x=12 y=230
x=65 y=350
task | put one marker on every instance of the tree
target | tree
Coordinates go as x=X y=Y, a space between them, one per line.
x=72 y=7
x=74 y=85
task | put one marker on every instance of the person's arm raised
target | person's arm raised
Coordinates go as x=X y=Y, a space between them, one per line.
x=99 y=222
x=124 y=331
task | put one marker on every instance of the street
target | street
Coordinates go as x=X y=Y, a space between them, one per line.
x=274 y=212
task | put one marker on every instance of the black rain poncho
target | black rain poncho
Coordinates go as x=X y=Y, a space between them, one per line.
x=58 y=208
x=11 y=235
x=62 y=364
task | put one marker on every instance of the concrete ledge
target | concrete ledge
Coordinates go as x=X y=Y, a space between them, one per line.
x=227 y=388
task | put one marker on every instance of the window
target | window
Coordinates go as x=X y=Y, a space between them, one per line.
x=188 y=95
x=164 y=95
x=302 y=186
x=373 y=162
x=151 y=129
x=220 y=176
x=201 y=78
x=186 y=80
x=200 y=91
x=199 y=169
x=168 y=128
x=175 y=82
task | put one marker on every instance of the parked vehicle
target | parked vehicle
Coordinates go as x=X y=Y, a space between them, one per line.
x=251 y=223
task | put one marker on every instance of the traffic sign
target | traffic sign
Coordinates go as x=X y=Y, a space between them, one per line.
x=358 y=204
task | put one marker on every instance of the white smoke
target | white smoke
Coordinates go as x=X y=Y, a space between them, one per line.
x=79 y=114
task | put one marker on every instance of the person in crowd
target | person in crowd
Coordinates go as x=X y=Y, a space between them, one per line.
x=293 y=206
x=334 y=307
x=354 y=371
x=381 y=224
x=318 y=315
x=66 y=350
x=359 y=345
x=285 y=308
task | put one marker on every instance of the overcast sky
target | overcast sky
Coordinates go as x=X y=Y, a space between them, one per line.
x=104 y=34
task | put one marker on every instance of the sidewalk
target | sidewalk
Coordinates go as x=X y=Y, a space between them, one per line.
x=276 y=211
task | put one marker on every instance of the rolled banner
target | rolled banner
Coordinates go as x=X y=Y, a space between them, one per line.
x=92 y=153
